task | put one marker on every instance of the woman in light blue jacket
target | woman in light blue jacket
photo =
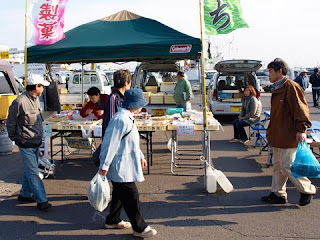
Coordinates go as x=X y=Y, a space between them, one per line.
x=122 y=162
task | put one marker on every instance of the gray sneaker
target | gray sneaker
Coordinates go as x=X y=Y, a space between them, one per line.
x=148 y=232
x=120 y=225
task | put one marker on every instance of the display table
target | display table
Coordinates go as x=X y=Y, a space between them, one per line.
x=64 y=127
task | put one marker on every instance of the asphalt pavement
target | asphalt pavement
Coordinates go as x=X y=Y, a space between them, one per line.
x=177 y=206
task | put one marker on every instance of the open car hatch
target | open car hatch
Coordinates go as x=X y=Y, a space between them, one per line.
x=238 y=66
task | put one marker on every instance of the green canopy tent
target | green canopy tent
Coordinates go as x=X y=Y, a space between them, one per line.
x=121 y=37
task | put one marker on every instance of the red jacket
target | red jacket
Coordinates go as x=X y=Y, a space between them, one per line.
x=95 y=106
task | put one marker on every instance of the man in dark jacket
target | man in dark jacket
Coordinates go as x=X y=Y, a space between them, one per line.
x=288 y=125
x=122 y=82
x=315 y=81
x=24 y=125
x=302 y=79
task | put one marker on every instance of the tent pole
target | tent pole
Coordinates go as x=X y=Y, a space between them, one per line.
x=204 y=98
x=82 y=80
x=25 y=44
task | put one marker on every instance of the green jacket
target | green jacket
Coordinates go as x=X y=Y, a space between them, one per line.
x=182 y=86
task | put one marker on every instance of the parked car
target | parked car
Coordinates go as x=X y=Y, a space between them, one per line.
x=91 y=79
x=263 y=77
x=110 y=76
x=226 y=87
x=193 y=77
x=209 y=75
x=157 y=76
x=157 y=69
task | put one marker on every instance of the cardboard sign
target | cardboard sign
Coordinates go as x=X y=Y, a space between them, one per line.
x=97 y=131
x=185 y=130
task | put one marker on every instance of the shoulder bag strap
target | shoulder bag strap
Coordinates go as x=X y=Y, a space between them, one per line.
x=128 y=132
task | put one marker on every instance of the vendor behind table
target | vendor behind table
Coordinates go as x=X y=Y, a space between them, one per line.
x=95 y=107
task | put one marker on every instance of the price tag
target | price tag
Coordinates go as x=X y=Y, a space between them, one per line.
x=47 y=130
x=185 y=130
x=97 y=131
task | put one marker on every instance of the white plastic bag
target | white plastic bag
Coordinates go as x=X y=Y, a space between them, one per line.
x=99 y=192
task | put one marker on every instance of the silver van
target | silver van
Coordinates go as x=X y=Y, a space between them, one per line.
x=226 y=87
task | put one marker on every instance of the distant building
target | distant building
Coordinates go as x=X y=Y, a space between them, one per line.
x=16 y=55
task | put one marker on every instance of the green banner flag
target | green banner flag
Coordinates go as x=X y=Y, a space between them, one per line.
x=223 y=16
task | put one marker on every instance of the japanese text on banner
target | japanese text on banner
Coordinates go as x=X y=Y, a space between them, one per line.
x=223 y=16
x=47 y=17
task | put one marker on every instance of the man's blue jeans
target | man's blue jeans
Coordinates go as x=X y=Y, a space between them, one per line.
x=32 y=185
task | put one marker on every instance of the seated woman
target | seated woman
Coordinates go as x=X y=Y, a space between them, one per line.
x=250 y=114
x=96 y=104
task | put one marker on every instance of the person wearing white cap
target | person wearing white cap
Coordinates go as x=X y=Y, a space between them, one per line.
x=302 y=79
x=24 y=125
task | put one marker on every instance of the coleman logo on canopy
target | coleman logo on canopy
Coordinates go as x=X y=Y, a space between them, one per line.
x=181 y=48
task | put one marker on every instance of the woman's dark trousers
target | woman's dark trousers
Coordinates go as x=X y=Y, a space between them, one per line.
x=238 y=129
x=126 y=195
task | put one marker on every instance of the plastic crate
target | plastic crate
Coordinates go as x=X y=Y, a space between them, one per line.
x=224 y=95
x=172 y=111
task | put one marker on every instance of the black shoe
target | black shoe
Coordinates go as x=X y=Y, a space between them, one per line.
x=274 y=199
x=305 y=199
x=26 y=199
x=44 y=206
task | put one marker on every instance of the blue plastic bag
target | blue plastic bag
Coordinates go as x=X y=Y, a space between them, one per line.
x=305 y=163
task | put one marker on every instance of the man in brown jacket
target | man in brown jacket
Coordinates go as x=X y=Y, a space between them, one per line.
x=288 y=124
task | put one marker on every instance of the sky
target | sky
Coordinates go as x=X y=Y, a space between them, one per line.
x=288 y=29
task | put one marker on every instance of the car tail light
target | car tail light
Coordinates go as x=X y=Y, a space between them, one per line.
x=214 y=93
x=258 y=94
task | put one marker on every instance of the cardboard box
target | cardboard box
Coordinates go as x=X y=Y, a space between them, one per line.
x=152 y=89
x=169 y=99
x=5 y=102
x=156 y=99
x=237 y=95
x=167 y=87
x=146 y=96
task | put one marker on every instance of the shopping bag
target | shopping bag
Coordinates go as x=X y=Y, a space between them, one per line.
x=305 y=163
x=223 y=181
x=99 y=192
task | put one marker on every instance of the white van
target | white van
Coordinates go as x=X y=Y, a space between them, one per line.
x=91 y=79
